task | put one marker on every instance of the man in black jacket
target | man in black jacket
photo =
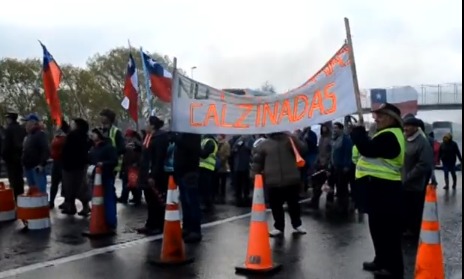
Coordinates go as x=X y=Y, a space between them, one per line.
x=12 y=149
x=186 y=168
x=36 y=153
x=152 y=176
x=378 y=173
x=74 y=159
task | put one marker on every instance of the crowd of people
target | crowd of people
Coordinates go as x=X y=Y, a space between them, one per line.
x=376 y=171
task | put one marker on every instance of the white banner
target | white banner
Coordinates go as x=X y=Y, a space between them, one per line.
x=328 y=95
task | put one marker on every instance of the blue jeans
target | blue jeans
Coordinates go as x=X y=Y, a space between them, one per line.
x=109 y=195
x=190 y=200
x=447 y=170
x=37 y=178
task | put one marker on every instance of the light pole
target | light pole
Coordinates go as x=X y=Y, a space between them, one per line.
x=191 y=71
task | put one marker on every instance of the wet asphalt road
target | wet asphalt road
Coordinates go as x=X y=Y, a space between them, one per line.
x=333 y=249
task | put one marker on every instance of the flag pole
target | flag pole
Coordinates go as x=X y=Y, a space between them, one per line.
x=357 y=93
x=173 y=89
x=138 y=90
x=148 y=96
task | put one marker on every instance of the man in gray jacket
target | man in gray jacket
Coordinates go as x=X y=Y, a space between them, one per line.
x=418 y=164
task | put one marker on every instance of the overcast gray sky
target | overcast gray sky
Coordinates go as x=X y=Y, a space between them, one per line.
x=244 y=43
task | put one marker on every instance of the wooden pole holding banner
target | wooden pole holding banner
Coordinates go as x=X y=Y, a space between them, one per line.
x=353 y=70
x=173 y=89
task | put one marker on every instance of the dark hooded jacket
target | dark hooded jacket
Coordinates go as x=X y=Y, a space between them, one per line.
x=76 y=147
x=275 y=159
x=36 y=150
x=449 y=152
x=153 y=157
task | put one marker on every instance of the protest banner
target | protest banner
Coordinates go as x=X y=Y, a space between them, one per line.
x=201 y=109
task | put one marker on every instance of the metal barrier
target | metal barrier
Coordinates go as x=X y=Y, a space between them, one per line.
x=440 y=94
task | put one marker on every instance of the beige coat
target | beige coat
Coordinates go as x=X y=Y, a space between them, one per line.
x=223 y=155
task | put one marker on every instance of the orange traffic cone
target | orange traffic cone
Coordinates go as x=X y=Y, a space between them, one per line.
x=173 y=248
x=259 y=254
x=97 y=226
x=7 y=204
x=429 y=261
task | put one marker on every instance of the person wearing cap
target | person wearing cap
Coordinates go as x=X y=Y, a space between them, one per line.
x=36 y=152
x=104 y=155
x=152 y=177
x=12 y=150
x=378 y=173
x=418 y=164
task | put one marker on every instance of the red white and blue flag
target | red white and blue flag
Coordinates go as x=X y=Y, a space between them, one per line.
x=130 y=101
x=51 y=76
x=160 y=78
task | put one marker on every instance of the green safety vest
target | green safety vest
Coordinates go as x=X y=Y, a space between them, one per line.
x=355 y=155
x=210 y=162
x=388 y=169
x=113 y=131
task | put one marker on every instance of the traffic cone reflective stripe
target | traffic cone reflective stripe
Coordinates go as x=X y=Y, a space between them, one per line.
x=259 y=254
x=173 y=247
x=7 y=204
x=429 y=262
x=430 y=229
x=98 y=226
x=258 y=213
x=172 y=204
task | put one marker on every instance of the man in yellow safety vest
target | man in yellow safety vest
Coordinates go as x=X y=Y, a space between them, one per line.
x=108 y=118
x=378 y=173
x=209 y=148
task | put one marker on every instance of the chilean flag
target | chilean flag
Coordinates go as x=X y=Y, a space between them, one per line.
x=51 y=76
x=130 y=100
x=160 y=79
x=404 y=97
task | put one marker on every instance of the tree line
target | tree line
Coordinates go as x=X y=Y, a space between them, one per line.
x=83 y=92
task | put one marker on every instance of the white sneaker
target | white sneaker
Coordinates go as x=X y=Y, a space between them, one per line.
x=300 y=230
x=275 y=233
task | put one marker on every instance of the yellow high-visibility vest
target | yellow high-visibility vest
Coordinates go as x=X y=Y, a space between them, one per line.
x=210 y=162
x=389 y=169
x=355 y=155
x=113 y=131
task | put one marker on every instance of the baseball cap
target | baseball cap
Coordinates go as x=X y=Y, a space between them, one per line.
x=31 y=117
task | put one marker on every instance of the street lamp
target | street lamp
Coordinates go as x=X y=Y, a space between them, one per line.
x=191 y=71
